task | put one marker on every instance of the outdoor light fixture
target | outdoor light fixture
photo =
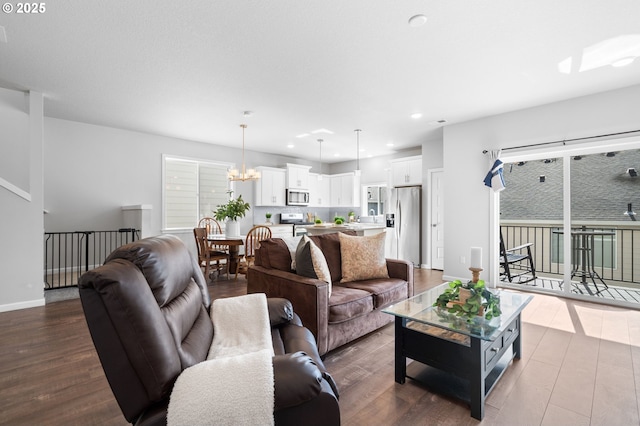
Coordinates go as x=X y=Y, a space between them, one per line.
x=632 y=172
x=610 y=154
x=543 y=178
x=243 y=174
x=630 y=212
x=522 y=163
x=577 y=157
x=357 y=172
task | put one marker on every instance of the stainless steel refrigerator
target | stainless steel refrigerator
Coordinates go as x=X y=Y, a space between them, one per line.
x=404 y=219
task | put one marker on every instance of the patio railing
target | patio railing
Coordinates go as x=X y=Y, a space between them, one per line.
x=616 y=257
x=69 y=254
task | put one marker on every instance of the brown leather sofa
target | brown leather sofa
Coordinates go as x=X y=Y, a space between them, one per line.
x=147 y=309
x=352 y=310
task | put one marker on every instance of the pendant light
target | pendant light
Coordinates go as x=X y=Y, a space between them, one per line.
x=243 y=174
x=357 y=171
x=320 y=174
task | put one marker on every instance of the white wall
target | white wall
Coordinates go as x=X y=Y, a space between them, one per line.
x=14 y=146
x=92 y=171
x=467 y=200
x=21 y=222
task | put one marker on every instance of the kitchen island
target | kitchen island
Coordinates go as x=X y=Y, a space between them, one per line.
x=359 y=228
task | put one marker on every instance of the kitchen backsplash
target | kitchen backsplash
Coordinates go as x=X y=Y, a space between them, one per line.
x=325 y=213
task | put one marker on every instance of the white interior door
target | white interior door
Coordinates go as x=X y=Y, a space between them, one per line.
x=437 y=220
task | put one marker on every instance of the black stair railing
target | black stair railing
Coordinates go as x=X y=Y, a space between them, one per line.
x=67 y=255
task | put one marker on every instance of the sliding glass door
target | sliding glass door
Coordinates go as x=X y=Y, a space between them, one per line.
x=531 y=215
x=576 y=210
x=604 y=231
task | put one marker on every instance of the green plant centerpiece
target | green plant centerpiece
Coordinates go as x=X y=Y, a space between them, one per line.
x=318 y=221
x=469 y=300
x=268 y=217
x=338 y=220
x=233 y=210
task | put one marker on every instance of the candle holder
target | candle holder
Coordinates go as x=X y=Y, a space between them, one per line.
x=475 y=274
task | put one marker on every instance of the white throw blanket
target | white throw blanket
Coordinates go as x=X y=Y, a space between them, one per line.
x=235 y=386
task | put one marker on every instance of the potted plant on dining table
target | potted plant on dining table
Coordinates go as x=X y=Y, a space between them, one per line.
x=230 y=212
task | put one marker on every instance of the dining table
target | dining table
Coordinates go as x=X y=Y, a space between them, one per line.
x=234 y=243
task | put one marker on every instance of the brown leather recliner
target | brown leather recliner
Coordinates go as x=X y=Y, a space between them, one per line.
x=147 y=309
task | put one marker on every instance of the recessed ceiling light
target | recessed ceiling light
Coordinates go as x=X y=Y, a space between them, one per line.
x=303 y=135
x=390 y=144
x=623 y=62
x=337 y=154
x=417 y=20
x=328 y=132
x=416 y=115
x=291 y=145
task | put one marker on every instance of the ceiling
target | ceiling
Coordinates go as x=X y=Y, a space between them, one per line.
x=190 y=69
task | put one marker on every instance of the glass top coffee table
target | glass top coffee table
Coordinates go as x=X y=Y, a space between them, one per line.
x=457 y=357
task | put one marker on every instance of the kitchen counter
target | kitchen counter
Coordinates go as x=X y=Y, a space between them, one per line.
x=359 y=228
x=279 y=230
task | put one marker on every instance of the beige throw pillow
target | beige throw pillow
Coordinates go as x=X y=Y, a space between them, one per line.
x=363 y=257
x=310 y=261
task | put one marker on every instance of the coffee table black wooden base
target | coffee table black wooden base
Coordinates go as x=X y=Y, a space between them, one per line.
x=480 y=363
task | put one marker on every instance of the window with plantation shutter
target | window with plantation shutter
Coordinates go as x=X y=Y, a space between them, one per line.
x=213 y=188
x=192 y=190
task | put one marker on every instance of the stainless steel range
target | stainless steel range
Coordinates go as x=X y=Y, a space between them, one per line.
x=297 y=220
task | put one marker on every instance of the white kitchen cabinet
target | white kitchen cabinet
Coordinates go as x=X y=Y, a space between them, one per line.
x=319 y=190
x=406 y=171
x=297 y=176
x=345 y=190
x=270 y=188
x=280 y=231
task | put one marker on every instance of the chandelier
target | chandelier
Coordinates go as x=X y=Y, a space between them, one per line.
x=243 y=174
x=320 y=175
x=357 y=171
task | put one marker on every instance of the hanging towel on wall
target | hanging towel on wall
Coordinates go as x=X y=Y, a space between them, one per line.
x=495 y=178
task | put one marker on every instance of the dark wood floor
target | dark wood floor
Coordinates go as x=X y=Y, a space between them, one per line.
x=580 y=366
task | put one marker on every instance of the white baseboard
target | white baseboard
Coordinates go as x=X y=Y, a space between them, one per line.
x=450 y=278
x=22 y=305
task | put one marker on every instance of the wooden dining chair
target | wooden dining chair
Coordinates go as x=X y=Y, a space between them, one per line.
x=254 y=236
x=213 y=227
x=207 y=256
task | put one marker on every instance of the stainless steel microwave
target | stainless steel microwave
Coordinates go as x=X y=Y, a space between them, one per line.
x=296 y=197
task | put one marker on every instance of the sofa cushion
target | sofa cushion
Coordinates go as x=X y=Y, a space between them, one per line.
x=347 y=303
x=330 y=246
x=385 y=290
x=274 y=254
x=363 y=257
x=310 y=262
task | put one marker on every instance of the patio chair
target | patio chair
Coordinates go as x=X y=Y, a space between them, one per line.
x=519 y=256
